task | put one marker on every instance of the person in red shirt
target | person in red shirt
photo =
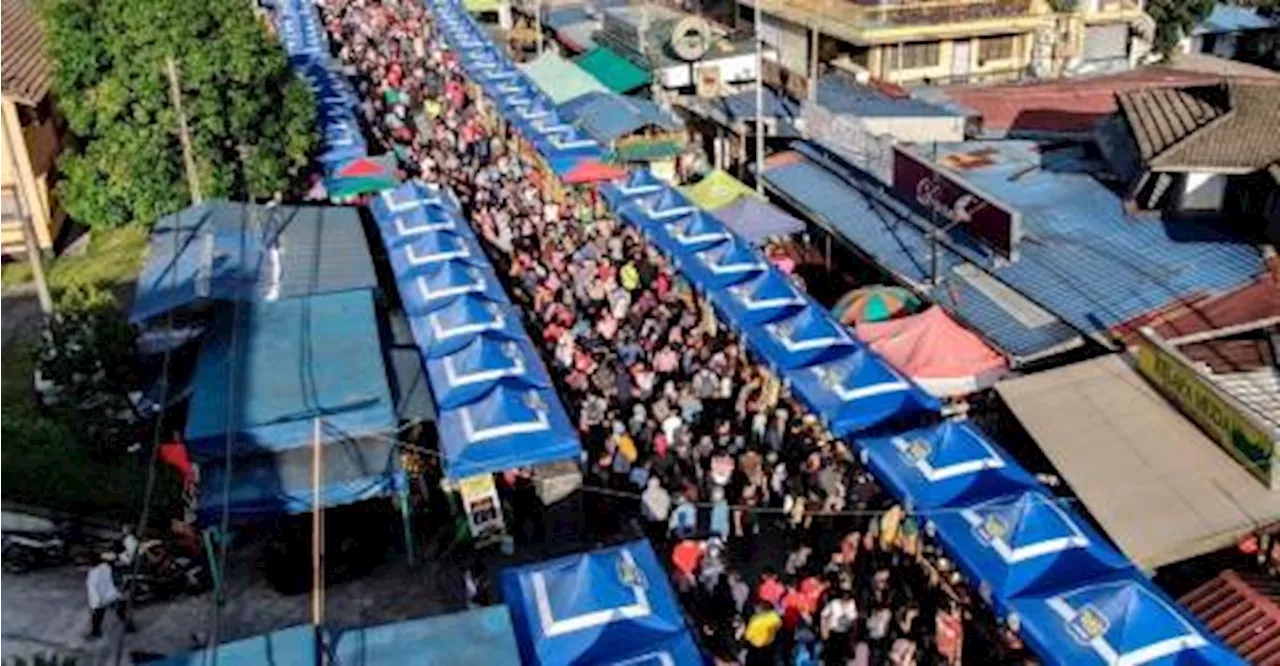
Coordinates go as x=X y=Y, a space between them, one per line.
x=949 y=633
x=770 y=589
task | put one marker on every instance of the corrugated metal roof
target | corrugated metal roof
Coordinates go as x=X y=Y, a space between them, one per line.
x=1229 y=126
x=614 y=71
x=1161 y=117
x=884 y=229
x=839 y=92
x=27 y=73
x=1244 y=611
x=409 y=385
x=231 y=250
x=607 y=117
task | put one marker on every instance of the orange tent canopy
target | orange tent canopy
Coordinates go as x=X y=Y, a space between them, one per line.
x=945 y=358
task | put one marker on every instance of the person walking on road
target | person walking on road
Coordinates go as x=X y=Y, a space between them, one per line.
x=103 y=595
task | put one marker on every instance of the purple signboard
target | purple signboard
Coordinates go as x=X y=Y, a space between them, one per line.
x=954 y=202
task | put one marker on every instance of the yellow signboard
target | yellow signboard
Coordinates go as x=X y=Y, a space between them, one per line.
x=1251 y=444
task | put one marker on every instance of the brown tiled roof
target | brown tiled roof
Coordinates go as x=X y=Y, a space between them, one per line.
x=1244 y=611
x=1225 y=126
x=26 y=72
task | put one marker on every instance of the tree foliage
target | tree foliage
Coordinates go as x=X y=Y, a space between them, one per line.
x=1175 y=19
x=87 y=355
x=252 y=122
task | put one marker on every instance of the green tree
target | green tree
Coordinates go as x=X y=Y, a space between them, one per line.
x=87 y=357
x=1175 y=19
x=252 y=121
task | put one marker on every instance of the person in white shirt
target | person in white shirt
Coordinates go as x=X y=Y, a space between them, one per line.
x=103 y=595
x=838 y=619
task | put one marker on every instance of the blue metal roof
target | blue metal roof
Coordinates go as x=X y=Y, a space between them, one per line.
x=881 y=228
x=609 y=116
x=564 y=16
x=1234 y=18
x=840 y=93
x=742 y=105
x=1082 y=258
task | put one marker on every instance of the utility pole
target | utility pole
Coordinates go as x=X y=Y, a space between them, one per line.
x=12 y=135
x=317 y=541
x=188 y=154
x=759 y=97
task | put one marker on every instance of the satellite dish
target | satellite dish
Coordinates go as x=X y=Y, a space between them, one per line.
x=691 y=38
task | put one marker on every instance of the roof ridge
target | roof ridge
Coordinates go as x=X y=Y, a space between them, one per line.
x=1230 y=112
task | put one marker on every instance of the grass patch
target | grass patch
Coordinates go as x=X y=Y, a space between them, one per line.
x=113 y=257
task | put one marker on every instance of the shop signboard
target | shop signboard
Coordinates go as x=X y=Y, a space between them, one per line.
x=954 y=202
x=1249 y=440
x=484 y=512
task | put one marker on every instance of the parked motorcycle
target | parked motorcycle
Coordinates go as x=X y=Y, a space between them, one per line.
x=161 y=576
x=29 y=542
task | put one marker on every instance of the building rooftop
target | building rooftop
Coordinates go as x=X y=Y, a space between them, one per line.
x=26 y=75
x=1234 y=18
x=1071 y=106
x=839 y=92
x=1084 y=264
x=1222 y=126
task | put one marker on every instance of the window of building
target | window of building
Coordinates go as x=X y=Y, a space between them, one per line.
x=918 y=55
x=991 y=49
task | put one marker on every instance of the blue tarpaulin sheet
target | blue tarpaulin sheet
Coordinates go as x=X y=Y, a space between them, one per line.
x=1120 y=619
x=511 y=426
x=603 y=607
x=483 y=636
x=295 y=360
x=943 y=465
x=270 y=484
x=1025 y=544
x=758 y=221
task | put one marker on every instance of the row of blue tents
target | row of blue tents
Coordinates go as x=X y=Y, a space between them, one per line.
x=527 y=108
x=1078 y=600
x=302 y=34
x=498 y=408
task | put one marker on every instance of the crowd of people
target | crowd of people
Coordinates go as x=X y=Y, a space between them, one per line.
x=781 y=545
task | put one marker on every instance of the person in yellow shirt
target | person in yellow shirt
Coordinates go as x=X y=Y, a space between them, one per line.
x=629 y=276
x=760 y=634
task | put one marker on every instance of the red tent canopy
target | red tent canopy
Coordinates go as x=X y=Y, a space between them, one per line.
x=945 y=358
x=592 y=171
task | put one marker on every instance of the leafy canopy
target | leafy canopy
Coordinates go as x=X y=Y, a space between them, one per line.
x=252 y=122
x=1175 y=19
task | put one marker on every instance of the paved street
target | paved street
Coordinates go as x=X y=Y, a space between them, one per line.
x=46 y=610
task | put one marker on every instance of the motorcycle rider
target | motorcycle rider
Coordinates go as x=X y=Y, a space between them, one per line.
x=103 y=595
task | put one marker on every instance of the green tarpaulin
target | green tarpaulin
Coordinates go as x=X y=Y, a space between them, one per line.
x=560 y=78
x=614 y=71
x=481 y=6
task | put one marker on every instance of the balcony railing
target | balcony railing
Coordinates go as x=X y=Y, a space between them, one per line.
x=870 y=13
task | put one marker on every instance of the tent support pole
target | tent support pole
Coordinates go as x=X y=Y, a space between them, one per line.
x=408 y=526
x=211 y=554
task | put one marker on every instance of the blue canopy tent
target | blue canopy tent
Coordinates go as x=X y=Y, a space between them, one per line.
x=419 y=220
x=1118 y=619
x=441 y=283
x=480 y=636
x=766 y=297
x=638 y=183
x=609 y=606
x=417 y=253
x=809 y=336
x=721 y=265
x=943 y=465
x=856 y=392
x=409 y=197
x=452 y=327
x=267 y=485
x=467 y=374
x=657 y=206
x=510 y=427
x=758 y=221
x=341 y=138
x=1023 y=545
x=295 y=360
x=681 y=236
